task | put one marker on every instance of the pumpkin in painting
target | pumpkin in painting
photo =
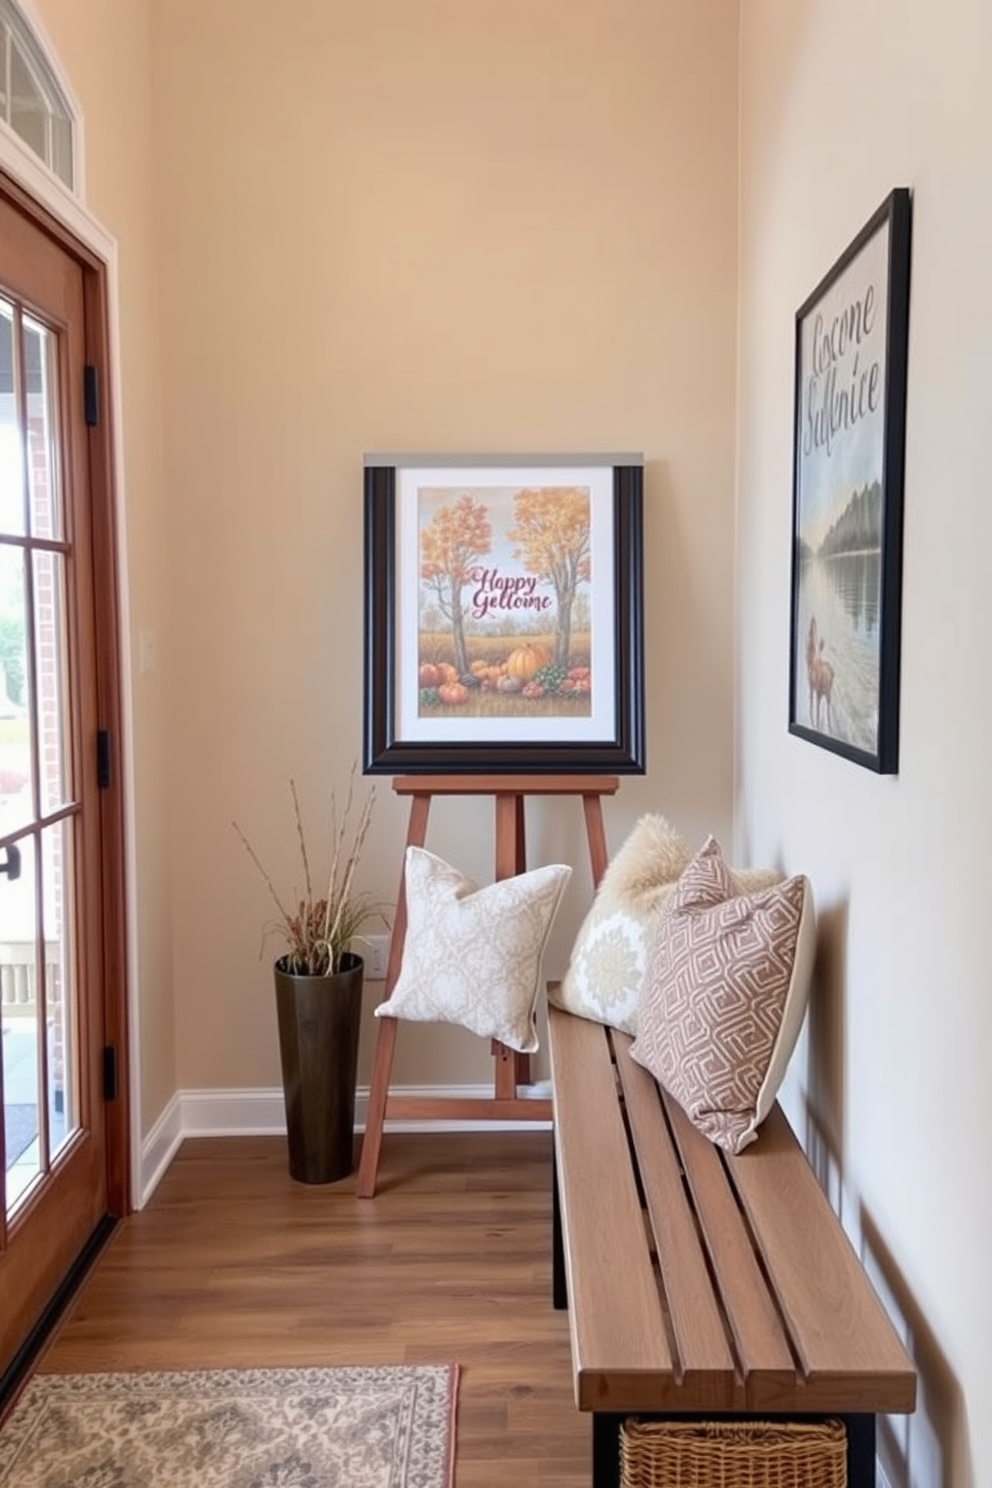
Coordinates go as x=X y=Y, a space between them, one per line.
x=526 y=660
x=452 y=692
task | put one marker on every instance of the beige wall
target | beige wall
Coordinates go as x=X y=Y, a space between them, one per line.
x=841 y=102
x=513 y=225
x=104 y=48
x=421 y=224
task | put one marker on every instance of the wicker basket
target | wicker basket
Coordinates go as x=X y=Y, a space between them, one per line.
x=732 y=1454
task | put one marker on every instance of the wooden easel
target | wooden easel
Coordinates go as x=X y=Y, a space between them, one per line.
x=512 y=1069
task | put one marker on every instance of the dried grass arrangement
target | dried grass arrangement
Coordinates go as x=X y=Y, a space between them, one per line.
x=318 y=932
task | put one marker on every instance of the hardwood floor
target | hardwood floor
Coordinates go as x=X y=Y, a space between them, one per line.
x=232 y=1264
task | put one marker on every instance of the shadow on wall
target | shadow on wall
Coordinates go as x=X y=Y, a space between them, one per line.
x=929 y=1448
x=825 y=1035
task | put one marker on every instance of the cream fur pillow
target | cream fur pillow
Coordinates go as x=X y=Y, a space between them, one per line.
x=610 y=958
x=473 y=956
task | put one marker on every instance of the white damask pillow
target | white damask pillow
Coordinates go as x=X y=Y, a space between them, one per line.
x=611 y=956
x=472 y=955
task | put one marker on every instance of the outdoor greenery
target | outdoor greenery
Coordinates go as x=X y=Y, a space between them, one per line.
x=12 y=655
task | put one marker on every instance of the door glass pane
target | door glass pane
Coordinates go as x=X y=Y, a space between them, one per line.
x=44 y=473
x=11 y=465
x=51 y=670
x=21 y=1020
x=63 y=1081
x=16 y=756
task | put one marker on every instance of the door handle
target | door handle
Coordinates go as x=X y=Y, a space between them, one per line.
x=12 y=866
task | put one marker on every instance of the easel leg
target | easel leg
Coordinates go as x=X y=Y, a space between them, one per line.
x=521 y=1062
x=505 y=1071
x=368 y=1166
x=512 y=1068
x=385 y=1043
x=596 y=833
x=510 y=846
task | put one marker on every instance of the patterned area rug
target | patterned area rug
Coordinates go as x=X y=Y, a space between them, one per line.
x=256 y=1428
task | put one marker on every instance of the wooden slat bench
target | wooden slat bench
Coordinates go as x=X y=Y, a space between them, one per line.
x=700 y=1284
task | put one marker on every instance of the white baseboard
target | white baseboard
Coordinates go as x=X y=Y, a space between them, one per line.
x=233 y=1113
x=262 y=1113
x=157 y=1151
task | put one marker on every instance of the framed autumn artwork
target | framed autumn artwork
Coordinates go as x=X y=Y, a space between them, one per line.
x=503 y=613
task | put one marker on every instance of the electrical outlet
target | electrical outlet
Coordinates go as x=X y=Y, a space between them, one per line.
x=377 y=954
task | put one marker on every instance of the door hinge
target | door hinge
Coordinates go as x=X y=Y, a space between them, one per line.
x=103 y=758
x=109 y=1072
x=91 y=395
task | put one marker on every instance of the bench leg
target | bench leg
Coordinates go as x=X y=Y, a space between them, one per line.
x=606 y=1449
x=860 y=1451
x=559 y=1286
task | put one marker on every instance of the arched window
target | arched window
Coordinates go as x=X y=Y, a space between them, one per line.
x=32 y=101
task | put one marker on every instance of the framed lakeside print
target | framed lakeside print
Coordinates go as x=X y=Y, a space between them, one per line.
x=848 y=459
x=503 y=614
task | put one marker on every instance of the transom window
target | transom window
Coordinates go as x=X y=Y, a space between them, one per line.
x=31 y=99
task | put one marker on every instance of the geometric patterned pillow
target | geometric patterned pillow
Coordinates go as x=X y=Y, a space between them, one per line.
x=471 y=955
x=726 y=996
x=612 y=951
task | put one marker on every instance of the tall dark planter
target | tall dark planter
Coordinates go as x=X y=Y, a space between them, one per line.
x=319 y=1020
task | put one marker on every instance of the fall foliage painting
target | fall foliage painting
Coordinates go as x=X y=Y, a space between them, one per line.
x=504 y=606
x=503 y=613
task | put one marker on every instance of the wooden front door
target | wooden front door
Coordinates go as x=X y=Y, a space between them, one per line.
x=62 y=1142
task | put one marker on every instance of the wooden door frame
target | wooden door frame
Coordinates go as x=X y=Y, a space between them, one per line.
x=42 y=199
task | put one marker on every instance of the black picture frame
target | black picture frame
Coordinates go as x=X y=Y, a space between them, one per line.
x=508 y=615
x=851 y=339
